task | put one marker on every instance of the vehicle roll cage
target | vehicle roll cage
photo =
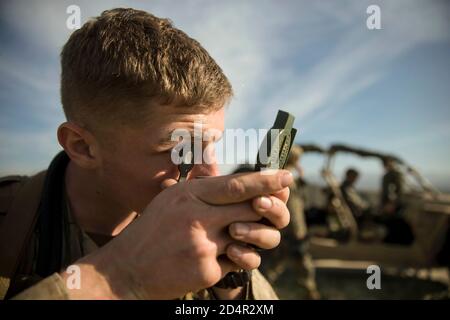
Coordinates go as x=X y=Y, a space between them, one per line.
x=339 y=204
x=334 y=149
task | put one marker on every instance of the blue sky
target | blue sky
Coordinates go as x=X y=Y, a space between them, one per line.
x=385 y=89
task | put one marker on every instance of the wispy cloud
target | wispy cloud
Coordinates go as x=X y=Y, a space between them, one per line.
x=361 y=56
x=308 y=57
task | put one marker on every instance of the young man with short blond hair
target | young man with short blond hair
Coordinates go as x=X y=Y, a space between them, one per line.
x=109 y=203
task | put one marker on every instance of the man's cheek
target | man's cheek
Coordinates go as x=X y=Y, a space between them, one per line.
x=172 y=173
x=163 y=170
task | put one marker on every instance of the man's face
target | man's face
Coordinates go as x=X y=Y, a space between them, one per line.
x=352 y=178
x=136 y=160
x=389 y=165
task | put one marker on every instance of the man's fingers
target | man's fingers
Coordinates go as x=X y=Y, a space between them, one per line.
x=269 y=207
x=245 y=257
x=226 y=265
x=225 y=215
x=273 y=209
x=260 y=235
x=283 y=195
x=239 y=187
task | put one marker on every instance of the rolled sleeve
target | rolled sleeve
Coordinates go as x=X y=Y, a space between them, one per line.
x=51 y=288
x=261 y=288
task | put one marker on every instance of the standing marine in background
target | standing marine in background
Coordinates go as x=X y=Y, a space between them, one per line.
x=392 y=207
x=391 y=188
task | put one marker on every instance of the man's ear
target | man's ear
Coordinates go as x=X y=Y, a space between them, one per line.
x=80 y=145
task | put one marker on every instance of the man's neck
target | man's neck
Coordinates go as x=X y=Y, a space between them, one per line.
x=94 y=211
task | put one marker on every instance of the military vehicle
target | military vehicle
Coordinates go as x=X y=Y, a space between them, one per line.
x=341 y=249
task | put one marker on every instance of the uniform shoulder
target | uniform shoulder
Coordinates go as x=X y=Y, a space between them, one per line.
x=9 y=186
x=11 y=179
x=261 y=288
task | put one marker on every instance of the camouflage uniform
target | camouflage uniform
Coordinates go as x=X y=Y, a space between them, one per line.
x=56 y=241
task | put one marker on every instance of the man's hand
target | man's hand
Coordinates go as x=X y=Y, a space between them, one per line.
x=189 y=237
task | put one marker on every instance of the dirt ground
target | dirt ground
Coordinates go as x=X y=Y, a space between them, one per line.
x=351 y=284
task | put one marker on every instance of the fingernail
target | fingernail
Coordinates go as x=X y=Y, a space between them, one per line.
x=241 y=229
x=235 y=252
x=286 y=179
x=265 y=203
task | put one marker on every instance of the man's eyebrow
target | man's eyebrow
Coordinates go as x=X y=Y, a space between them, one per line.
x=166 y=142
x=173 y=135
x=169 y=138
